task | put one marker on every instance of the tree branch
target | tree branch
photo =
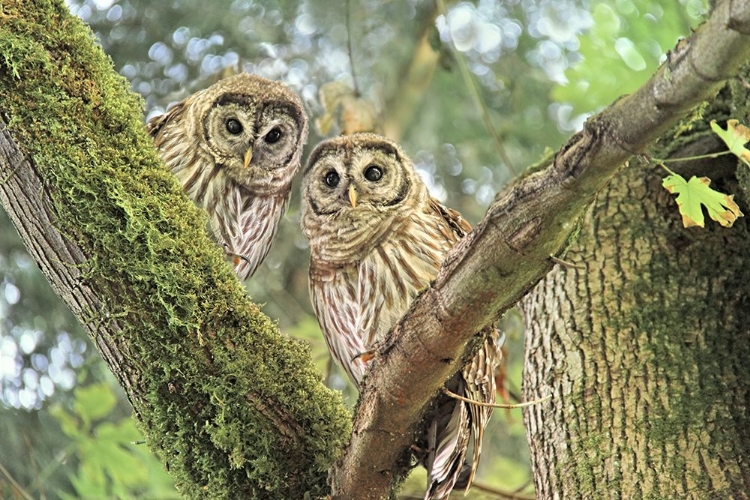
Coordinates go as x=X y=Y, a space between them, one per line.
x=416 y=77
x=508 y=252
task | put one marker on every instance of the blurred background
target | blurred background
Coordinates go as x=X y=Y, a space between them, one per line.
x=474 y=91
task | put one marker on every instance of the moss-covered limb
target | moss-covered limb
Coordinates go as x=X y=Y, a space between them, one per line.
x=234 y=408
x=509 y=250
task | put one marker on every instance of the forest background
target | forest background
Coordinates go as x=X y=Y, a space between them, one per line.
x=474 y=92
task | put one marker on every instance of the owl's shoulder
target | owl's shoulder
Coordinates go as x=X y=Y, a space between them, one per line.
x=157 y=125
x=451 y=218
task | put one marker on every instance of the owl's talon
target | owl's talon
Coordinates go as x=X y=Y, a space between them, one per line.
x=236 y=258
x=365 y=356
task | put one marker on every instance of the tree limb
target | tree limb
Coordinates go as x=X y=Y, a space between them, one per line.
x=508 y=252
x=416 y=77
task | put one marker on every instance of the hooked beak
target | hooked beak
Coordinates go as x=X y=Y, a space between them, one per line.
x=353 y=196
x=248 y=157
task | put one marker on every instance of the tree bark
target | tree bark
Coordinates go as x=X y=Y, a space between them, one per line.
x=234 y=408
x=643 y=342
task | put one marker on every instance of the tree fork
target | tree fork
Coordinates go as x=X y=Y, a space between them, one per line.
x=508 y=252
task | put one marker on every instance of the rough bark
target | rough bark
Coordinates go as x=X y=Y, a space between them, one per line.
x=644 y=345
x=232 y=407
x=508 y=252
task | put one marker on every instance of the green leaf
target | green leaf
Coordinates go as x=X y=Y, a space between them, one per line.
x=693 y=194
x=69 y=424
x=735 y=136
x=94 y=401
x=623 y=47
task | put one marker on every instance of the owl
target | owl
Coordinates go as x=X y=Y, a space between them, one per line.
x=235 y=148
x=377 y=238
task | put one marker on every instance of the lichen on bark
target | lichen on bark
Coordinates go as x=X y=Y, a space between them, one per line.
x=232 y=406
x=644 y=349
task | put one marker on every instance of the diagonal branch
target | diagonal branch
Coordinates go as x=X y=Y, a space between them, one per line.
x=508 y=252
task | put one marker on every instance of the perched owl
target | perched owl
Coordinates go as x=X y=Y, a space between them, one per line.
x=376 y=239
x=235 y=148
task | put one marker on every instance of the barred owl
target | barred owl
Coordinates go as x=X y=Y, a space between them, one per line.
x=235 y=148
x=376 y=239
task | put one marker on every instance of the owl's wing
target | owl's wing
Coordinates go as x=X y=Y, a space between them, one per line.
x=476 y=381
x=456 y=227
x=480 y=386
x=156 y=125
x=458 y=422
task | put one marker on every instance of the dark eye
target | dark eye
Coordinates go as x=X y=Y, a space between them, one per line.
x=373 y=173
x=234 y=127
x=331 y=179
x=274 y=135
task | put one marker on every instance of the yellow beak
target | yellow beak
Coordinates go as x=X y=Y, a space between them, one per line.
x=248 y=157
x=353 y=196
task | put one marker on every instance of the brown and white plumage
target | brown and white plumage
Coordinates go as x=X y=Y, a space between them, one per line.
x=376 y=239
x=235 y=148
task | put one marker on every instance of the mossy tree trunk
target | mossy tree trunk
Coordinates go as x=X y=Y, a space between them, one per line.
x=234 y=408
x=645 y=343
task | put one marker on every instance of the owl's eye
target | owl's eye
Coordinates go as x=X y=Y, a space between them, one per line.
x=373 y=173
x=331 y=179
x=234 y=127
x=273 y=136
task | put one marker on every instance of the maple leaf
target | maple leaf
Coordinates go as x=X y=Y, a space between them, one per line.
x=735 y=136
x=695 y=193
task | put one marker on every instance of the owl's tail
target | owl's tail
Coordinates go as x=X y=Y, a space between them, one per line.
x=457 y=424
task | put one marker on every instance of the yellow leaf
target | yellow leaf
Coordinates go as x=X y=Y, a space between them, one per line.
x=694 y=194
x=735 y=136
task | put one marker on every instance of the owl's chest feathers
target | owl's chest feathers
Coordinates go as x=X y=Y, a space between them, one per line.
x=243 y=221
x=378 y=287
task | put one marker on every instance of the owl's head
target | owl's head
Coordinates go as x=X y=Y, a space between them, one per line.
x=359 y=176
x=252 y=127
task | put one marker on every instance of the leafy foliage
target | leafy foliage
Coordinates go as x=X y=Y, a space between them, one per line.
x=626 y=41
x=110 y=463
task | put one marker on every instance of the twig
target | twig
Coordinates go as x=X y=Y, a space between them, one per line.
x=13 y=482
x=502 y=493
x=474 y=89
x=497 y=405
x=689 y=158
x=39 y=484
x=565 y=263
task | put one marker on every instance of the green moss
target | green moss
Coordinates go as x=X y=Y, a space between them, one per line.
x=200 y=347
